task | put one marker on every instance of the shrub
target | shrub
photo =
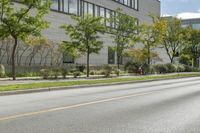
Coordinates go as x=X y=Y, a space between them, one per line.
x=180 y=68
x=132 y=67
x=185 y=59
x=160 y=68
x=45 y=73
x=55 y=72
x=81 y=68
x=73 y=70
x=93 y=72
x=195 y=69
x=170 y=68
x=117 y=72
x=188 y=68
x=64 y=72
x=2 y=71
x=27 y=74
x=107 y=70
x=76 y=74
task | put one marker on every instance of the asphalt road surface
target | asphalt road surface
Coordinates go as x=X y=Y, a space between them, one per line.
x=169 y=106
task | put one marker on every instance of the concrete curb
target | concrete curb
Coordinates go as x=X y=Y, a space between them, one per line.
x=6 y=93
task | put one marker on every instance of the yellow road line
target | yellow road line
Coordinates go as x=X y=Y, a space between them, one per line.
x=73 y=106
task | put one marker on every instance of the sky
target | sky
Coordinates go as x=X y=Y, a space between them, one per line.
x=181 y=8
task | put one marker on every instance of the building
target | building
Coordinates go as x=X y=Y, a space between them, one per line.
x=61 y=11
x=194 y=23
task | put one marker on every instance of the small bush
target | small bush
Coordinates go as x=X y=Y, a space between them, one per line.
x=76 y=74
x=45 y=73
x=117 y=72
x=195 y=69
x=27 y=74
x=188 y=68
x=107 y=70
x=55 y=73
x=2 y=71
x=93 y=72
x=160 y=68
x=64 y=72
x=170 y=68
x=81 y=68
x=180 y=68
x=132 y=67
x=185 y=59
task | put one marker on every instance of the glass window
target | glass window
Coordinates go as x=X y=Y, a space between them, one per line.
x=55 y=5
x=102 y=14
x=108 y=23
x=111 y=56
x=66 y=6
x=90 y=9
x=126 y=2
x=136 y=4
x=96 y=11
x=85 y=8
x=73 y=6
x=130 y=3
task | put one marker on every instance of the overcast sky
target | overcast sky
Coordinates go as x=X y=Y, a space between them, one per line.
x=181 y=8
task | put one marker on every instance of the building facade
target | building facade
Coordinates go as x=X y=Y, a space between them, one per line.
x=194 y=23
x=61 y=11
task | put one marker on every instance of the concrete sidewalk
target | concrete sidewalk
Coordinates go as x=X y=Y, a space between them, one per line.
x=28 y=80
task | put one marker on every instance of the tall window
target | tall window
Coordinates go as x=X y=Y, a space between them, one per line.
x=73 y=6
x=111 y=56
x=55 y=4
x=66 y=6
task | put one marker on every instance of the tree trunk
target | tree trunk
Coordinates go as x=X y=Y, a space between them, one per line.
x=149 y=58
x=13 y=58
x=88 y=62
x=118 y=61
x=172 y=59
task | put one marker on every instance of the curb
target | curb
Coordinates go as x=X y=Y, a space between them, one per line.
x=17 y=92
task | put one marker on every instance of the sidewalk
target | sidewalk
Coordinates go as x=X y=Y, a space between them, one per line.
x=28 y=80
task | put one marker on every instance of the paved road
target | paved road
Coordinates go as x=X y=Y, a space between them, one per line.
x=170 y=106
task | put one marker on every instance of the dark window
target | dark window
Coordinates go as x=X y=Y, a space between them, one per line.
x=111 y=56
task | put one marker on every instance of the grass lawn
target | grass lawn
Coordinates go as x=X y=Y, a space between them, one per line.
x=91 y=82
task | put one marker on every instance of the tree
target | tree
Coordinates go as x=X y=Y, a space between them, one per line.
x=174 y=37
x=192 y=48
x=21 y=22
x=84 y=37
x=141 y=55
x=36 y=45
x=125 y=33
x=152 y=36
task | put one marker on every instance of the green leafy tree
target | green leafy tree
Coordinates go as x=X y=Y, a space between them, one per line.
x=125 y=33
x=174 y=37
x=152 y=36
x=84 y=37
x=21 y=22
x=141 y=55
x=192 y=48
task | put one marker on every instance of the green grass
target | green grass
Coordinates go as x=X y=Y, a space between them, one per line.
x=90 y=82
